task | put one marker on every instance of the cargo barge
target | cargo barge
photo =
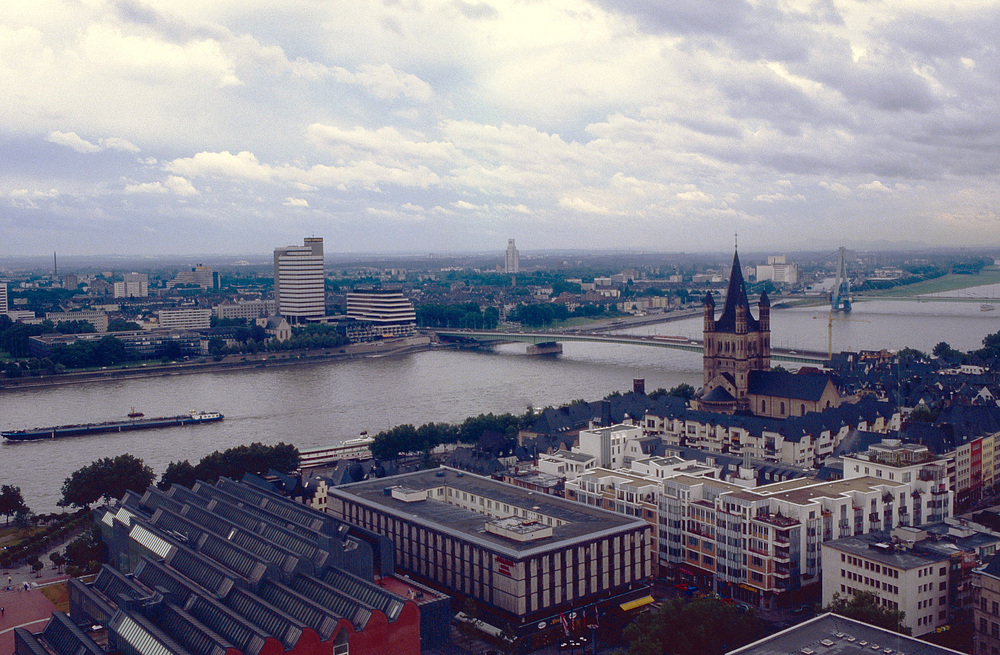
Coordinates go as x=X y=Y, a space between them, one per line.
x=31 y=434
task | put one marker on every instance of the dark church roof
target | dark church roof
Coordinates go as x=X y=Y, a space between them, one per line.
x=778 y=384
x=736 y=296
x=718 y=395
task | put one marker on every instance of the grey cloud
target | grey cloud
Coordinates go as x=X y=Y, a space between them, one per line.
x=477 y=11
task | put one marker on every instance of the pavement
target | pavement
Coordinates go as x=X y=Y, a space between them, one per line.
x=28 y=609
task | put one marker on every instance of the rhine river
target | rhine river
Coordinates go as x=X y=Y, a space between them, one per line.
x=322 y=404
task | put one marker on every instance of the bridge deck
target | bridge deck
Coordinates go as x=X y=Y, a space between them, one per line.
x=489 y=337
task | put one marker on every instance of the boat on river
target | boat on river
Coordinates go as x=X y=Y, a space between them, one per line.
x=32 y=434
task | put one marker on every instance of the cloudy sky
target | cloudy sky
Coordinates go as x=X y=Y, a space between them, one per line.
x=226 y=126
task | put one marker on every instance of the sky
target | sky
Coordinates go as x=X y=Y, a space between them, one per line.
x=424 y=126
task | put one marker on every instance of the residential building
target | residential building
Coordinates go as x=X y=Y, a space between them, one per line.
x=299 y=281
x=903 y=578
x=133 y=285
x=248 y=309
x=98 y=319
x=4 y=302
x=566 y=464
x=778 y=270
x=144 y=343
x=191 y=318
x=609 y=445
x=381 y=313
x=201 y=275
x=759 y=543
x=986 y=614
x=526 y=558
x=832 y=634
x=621 y=492
x=511 y=260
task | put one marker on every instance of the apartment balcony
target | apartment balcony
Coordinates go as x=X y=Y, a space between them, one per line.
x=782 y=572
x=781 y=540
x=782 y=555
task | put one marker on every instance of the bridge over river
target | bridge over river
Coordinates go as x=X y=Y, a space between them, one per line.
x=543 y=339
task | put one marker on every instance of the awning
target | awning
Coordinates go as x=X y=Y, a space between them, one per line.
x=639 y=602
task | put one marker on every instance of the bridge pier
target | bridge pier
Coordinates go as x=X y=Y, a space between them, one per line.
x=548 y=348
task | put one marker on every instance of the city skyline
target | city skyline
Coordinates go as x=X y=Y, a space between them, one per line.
x=187 y=128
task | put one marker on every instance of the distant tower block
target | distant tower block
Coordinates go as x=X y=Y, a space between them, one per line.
x=299 y=282
x=639 y=386
x=511 y=260
x=840 y=299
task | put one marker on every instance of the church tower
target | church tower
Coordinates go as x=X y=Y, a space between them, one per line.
x=734 y=344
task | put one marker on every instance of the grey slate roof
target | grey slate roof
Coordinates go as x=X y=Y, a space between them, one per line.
x=787 y=385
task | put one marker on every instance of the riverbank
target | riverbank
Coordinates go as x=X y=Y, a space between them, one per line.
x=380 y=348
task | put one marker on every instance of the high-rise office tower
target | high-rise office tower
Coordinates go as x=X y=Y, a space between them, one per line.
x=299 y=283
x=3 y=298
x=511 y=263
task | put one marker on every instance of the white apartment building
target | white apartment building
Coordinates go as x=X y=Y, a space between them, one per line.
x=755 y=544
x=916 y=583
x=566 y=464
x=299 y=281
x=610 y=445
x=98 y=319
x=803 y=441
x=133 y=285
x=778 y=270
x=388 y=313
x=246 y=309
x=185 y=319
x=4 y=304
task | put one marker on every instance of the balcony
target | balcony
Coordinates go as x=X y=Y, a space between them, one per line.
x=782 y=555
x=782 y=572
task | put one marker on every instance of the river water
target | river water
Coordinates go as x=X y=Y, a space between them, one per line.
x=321 y=404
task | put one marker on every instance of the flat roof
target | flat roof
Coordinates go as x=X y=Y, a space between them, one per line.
x=833 y=489
x=905 y=559
x=831 y=634
x=584 y=523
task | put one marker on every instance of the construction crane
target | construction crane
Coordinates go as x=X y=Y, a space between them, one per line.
x=830 y=318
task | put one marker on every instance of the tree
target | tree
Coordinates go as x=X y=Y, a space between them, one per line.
x=105 y=478
x=86 y=548
x=864 y=606
x=232 y=463
x=705 y=626
x=120 y=325
x=11 y=501
x=682 y=390
x=37 y=567
x=57 y=560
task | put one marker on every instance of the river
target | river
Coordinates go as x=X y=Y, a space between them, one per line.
x=313 y=405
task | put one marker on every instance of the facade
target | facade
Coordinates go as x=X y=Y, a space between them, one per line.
x=381 y=312
x=184 y=319
x=299 y=281
x=4 y=302
x=133 y=285
x=608 y=445
x=734 y=345
x=248 y=309
x=986 y=615
x=201 y=275
x=800 y=441
x=778 y=270
x=144 y=343
x=98 y=319
x=524 y=557
x=758 y=543
x=511 y=259
x=903 y=578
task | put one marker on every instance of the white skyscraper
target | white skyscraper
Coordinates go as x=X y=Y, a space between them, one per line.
x=3 y=298
x=299 y=283
x=511 y=263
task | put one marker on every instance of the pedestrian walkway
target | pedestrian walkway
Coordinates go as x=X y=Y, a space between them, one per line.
x=28 y=609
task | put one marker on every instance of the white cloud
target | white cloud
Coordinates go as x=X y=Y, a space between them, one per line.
x=383 y=81
x=875 y=185
x=581 y=205
x=117 y=143
x=73 y=140
x=295 y=202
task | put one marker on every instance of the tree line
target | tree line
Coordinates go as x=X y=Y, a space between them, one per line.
x=390 y=444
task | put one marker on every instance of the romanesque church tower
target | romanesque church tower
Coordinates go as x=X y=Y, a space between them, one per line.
x=735 y=344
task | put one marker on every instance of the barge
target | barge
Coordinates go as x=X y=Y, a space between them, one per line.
x=32 y=434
